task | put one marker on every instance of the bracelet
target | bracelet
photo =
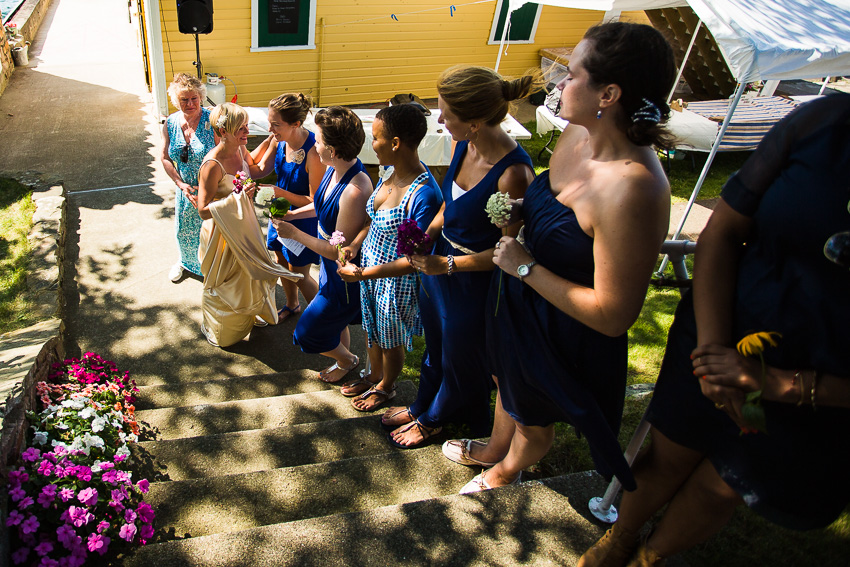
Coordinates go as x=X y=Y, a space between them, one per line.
x=451 y=260
x=358 y=271
x=814 y=388
x=799 y=375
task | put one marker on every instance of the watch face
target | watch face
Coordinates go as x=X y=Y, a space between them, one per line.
x=522 y=270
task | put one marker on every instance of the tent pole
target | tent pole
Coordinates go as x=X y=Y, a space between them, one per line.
x=735 y=100
x=684 y=61
x=504 y=37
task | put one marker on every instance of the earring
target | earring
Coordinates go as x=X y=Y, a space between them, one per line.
x=598 y=114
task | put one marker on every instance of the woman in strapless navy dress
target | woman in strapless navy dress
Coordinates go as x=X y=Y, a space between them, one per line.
x=574 y=280
x=340 y=205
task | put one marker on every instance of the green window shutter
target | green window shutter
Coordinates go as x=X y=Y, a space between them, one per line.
x=522 y=22
x=283 y=23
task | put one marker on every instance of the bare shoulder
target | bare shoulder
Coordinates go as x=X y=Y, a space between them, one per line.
x=515 y=180
x=360 y=187
x=638 y=180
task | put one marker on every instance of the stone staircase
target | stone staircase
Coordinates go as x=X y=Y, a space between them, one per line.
x=279 y=469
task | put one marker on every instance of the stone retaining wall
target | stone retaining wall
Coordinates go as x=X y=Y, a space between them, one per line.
x=28 y=19
x=6 y=63
x=26 y=355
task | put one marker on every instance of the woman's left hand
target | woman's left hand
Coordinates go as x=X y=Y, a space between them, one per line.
x=250 y=189
x=429 y=265
x=348 y=272
x=510 y=254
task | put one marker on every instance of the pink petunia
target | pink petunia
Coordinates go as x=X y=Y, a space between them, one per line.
x=143 y=486
x=127 y=532
x=145 y=512
x=66 y=494
x=146 y=531
x=65 y=534
x=20 y=555
x=47 y=496
x=15 y=518
x=45 y=468
x=80 y=516
x=31 y=455
x=30 y=525
x=44 y=548
x=18 y=477
x=88 y=496
x=84 y=473
x=119 y=494
x=17 y=493
x=99 y=543
x=110 y=476
x=25 y=503
x=48 y=562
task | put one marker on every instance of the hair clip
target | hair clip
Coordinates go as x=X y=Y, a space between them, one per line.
x=648 y=112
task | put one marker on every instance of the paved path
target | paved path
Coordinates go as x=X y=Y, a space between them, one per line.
x=81 y=113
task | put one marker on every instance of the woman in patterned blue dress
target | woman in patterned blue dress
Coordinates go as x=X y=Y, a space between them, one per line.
x=187 y=138
x=455 y=384
x=389 y=289
x=340 y=205
x=292 y=153
x=575 y=283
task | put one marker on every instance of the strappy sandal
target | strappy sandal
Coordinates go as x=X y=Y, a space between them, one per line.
x=426 y=434
x=334 y=367
x=286 y=312
x=374 y=391
x=458 y=450
x=393 y=426
x=356 y=387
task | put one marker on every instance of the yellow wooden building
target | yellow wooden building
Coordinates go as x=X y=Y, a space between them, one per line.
x=348 y=51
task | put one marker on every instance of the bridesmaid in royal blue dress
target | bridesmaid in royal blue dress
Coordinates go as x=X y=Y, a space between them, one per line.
x=340 y=205
x=575 y=279
x=291 y=151
x=455 y=384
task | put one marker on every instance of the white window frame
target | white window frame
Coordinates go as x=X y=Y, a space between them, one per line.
x=311 y=38
x=498 y=40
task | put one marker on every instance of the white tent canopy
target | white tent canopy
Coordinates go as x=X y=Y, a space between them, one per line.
x=760 y=39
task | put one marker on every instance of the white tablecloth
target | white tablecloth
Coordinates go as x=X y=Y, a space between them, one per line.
x=435 y=149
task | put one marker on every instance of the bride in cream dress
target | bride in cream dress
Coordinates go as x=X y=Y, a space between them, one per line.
x=239 y=273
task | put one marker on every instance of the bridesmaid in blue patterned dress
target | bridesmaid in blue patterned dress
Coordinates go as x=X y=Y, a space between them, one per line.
x=455 y=384
x=389 y=289
x=187 y=138
x=340 y=205
x=292 y=153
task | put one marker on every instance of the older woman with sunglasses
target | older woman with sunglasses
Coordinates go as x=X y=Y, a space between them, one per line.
x=187 y=137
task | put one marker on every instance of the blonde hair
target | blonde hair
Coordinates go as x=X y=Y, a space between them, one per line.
x=186 y=83
x=228 y=117
x=479 y=94
x=292 y=107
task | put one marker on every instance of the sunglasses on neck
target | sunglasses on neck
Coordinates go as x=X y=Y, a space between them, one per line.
x=184 y=154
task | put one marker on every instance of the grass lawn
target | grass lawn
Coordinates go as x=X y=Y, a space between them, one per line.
x=16 y=209
x=748 y=539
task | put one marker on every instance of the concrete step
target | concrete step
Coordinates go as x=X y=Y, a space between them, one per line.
x=237 y=502
x=537 y=523
x=267 y=449
x=262 y=413
x=230 y=389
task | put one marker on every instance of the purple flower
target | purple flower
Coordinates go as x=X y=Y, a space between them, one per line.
x=145 y=512
x=76 y=561
x=17 y=493
x=31 y=455
x=129 y=516
x=119 y=494
x=18 y=477
x=110 y=476
x=119 y=458
x=88 y=496
x=66 y=494
x=45 y=468
x=106 y=466
x=25 y=503
x=48 y=562
x=143 y=486
x=146 y=532
x=66 y=534
x=123 y=477
x=102 y=526
x=30 y=525
x=99 y=543
x=20 y=555
x=127 y=532
x=412 y=240
x=47 y=496
x=44 y=548
x=15 y=518
x=83 y=473
x=79 y=516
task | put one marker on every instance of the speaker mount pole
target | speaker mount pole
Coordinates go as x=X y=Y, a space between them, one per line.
x=197 y=63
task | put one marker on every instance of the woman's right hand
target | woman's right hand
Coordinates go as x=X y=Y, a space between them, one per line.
x=516 y=213
x=349 y=253
x=430 y=265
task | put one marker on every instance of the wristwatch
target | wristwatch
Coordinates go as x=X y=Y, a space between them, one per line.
x=523 y=269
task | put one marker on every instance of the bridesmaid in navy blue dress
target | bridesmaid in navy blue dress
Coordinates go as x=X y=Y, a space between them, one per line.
x=340 y=205
x=455 y=384
x=575 y=279
x=291 y=151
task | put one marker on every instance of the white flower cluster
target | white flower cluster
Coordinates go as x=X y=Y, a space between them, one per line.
x=222 y=120
x=264 y=195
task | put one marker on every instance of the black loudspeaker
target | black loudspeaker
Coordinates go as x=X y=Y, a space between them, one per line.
x=195 y=16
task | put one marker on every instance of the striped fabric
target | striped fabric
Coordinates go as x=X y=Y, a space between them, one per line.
x=750 y=122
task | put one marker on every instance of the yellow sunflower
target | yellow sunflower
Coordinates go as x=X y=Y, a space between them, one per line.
x=754 y=343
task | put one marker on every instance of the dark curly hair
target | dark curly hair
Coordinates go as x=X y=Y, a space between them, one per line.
x=638 y=59
x=405 y=122
x=342 y=130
